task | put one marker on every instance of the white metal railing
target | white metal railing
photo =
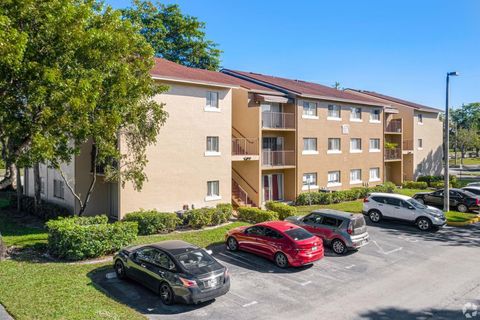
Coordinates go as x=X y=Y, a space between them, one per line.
x=278 y=120
x=278 y=158
x=245 y=146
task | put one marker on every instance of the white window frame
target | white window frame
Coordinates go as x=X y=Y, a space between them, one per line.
x=213 y=194
x=335 y=108
x=334 y=151
x=372 y=113
x=334 y=183
x=352 y=113
x=358 y=150
x=374 y=179
x=307 y=113
x=212 y=153
x=209 y=98
x=420 y=119
x=310 y=151
x=419 y=144
x=359 y=179
x=310 y=176
x=58 y=189
x=370 y=149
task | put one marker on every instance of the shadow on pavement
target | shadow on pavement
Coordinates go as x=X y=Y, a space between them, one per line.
x=396 y=313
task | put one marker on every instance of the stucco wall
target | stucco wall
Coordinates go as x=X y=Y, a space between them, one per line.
x=428 y=160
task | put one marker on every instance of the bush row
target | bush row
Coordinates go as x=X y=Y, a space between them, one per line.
x=437 y=181
x=283 y=210
x=45 y=211
x=256 y=215
x=414 y=185
x=307 y=198
x=198 y=218
x=78 y=238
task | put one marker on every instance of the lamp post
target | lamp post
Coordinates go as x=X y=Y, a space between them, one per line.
x=446 y=193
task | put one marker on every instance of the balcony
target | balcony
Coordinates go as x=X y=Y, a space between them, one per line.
x=245 y=149
x=282 y=158
x=278 y=120
x=394 y=126
x=393 y=154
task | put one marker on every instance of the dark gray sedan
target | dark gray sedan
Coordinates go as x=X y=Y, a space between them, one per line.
x=178 y=271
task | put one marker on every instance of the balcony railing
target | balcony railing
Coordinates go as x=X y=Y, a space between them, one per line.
x=393 y=154
x=245 y=146
x=278 y=158
x=394 y=126
x=407 y=145
x=278 y=120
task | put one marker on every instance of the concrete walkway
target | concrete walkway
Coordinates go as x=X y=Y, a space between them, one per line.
x=4 y=314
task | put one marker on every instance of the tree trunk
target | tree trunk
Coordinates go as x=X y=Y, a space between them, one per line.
x=37 y=186
x=19 y=190
x=8 y=178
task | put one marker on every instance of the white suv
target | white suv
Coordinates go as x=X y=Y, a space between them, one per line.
x=378 y=206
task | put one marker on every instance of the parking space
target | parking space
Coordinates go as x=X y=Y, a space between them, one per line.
x=399 y=268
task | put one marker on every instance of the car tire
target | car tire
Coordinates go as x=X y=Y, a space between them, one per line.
x=166 y=294
x=120 y=270
x=424 y=224
x=462 y=208
x=232 y=244
x=375 y=216
x=338 y=246
x=281 y=260
x=420 y=200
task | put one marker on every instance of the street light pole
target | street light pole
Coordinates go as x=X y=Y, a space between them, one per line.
x=446 y=193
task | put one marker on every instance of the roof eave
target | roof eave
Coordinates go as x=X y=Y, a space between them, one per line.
x=197 y=82
x=343 y=100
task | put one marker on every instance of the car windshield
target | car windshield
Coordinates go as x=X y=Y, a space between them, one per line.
x=416 y=204
x=298 y=234
x=468 y=194
x=195 y=259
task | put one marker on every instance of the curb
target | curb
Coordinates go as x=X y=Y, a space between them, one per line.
x=463 y=224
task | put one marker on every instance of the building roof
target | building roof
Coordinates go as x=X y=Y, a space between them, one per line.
x=397 y=100
x=303 y=88
x=169 y=70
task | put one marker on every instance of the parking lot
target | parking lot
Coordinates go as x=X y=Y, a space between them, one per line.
x=401 y=273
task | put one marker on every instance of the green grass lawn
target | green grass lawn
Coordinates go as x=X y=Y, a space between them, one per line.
x=466 y=161
x=32 y=289
x=454 y=216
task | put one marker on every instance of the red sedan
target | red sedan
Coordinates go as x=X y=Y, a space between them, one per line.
x=283 y=242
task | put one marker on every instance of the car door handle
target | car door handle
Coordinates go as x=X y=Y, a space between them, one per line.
x=142 y=265
x=380 y=205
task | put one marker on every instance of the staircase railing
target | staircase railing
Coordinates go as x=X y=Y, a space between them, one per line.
x=236 y=177
x=245 y=147
x=242 y=194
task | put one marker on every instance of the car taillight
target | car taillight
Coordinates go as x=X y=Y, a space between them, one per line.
x=350 y=228
x=477 y=201
x=366 y=200
x=188 y=283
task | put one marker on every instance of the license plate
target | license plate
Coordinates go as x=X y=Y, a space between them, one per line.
x=211 y=283
x=314 y=248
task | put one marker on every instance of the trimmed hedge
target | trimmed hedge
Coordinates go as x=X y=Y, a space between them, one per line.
x=222 y=214
x=152 y=221
x=414 y=185
x=433 y=181
x=439 y=184
x=282 y=209
x=256 y=215
x=198 y=218
x=45 y=211
x=79 y=238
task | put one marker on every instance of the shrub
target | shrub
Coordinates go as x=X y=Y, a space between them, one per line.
x=415 y=185
x=88 y=237
x=198 y=218
x=45 y=211
x=222 y=213
x=256 y=215
x=283 y=210
x=152 y=221
x=433 y=181
x=390 y=186
x=440 y=184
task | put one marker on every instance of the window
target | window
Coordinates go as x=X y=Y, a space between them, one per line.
x=146 y=255
x=212 y=146
x=420 y=118
x=163 y=261
x=58 y=191
x=333 y=179
x=270 y=233
x=309 y=110
x=212 y=101
x=356 y=114
x=334 y=145
x=374 y=174
x=332 y=222
x=309 y=181
x=334 y=112
x=310 y=146
x=255 y=231
x=375 y=115
x=298 y=234
x=194 y=260
x=355 y=176
x=374 y=145
x=313 y=218
x=393 y=201
x=213 y=190
x=420 y=144
x=355 y=145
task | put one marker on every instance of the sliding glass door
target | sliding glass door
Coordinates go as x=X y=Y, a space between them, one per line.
x=272 y=187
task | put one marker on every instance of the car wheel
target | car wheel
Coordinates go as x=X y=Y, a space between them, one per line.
x=281 y=260
x=424 y=224
x=462 y=208
x=338 y=246
x=375 y=216
x=232 y=244
x=420 y=200
x=120 y=269
x=166 y=294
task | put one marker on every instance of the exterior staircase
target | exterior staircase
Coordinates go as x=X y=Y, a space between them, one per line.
x=240 y=197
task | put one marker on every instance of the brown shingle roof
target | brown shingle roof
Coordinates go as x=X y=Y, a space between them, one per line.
x=303 y=87
x=397 y=100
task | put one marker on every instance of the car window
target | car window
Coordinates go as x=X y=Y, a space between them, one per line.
x=380 y=199
x=313 y=218
x=162 y=260
x=255 y=231
x=332 y=222
x=474 y=191
x=415 y=204
x=195 y=259
x=454 y=194
x=146 y=254
x=438 y=193
x=298 y=234
x=468 y=194
x=394 y=201
x=274 y=234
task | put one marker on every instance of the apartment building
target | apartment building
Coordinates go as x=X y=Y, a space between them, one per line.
x=190 y=164
x=414 y=134
x=310 y=137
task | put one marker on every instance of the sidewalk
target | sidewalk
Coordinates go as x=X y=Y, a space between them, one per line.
x=4 y=314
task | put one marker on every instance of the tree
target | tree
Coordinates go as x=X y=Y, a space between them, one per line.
x=174 y=36
x=466 y=139
x=336 y=85
x=76 y=73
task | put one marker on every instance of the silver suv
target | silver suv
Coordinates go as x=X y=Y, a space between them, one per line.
x=343 y=231
x=380 y=206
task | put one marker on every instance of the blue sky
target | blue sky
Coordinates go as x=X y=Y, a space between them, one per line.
x=400 y=48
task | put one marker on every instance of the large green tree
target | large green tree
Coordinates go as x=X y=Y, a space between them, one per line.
x=174 y=36
x=72 y=72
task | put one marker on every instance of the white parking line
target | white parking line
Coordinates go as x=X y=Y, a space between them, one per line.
x=238 y=260
x=249 y=304
x=386 y=252
x=350 y=267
